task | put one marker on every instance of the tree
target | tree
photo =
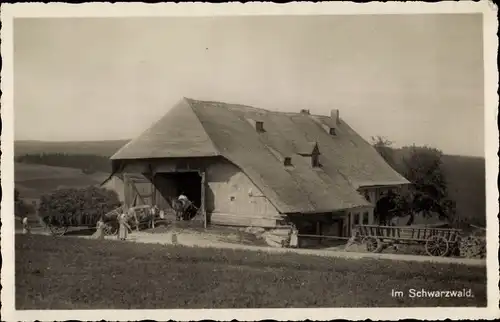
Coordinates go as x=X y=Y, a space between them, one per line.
x=422 y=166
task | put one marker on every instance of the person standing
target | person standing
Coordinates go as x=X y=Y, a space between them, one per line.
x=183 y=199
x=294 y=237
x=99 y=234
x=123 y=226
x=26 y=226
x=153 y=213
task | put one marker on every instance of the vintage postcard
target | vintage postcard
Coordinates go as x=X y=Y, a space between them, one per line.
x=249 y=161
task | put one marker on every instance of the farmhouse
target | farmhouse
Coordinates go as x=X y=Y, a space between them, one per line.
x=244 y=166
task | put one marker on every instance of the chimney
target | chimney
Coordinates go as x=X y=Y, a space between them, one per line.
x=335 y=116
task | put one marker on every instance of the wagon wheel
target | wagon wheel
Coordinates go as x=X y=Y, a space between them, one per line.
x=437 y=246
x=372 y=244
x=110 y=230
x=58 y=230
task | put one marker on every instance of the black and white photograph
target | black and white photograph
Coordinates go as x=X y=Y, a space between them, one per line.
x=243 y=156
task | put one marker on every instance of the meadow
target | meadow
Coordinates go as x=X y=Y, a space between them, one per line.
x=75 y=273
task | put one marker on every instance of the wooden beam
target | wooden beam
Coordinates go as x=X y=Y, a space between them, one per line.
x=324 y=236
x=137 y=192
x=203 y=195
x=153 y=189
x=127 y=189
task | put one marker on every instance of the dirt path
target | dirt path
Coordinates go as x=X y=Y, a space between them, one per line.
x=199 y=240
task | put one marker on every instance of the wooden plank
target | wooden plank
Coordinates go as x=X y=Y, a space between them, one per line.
x=324 y=236
x=239 y=220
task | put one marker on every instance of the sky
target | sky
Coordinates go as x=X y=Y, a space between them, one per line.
x=414 y=79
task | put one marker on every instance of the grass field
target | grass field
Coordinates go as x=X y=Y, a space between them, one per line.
x=73 y=273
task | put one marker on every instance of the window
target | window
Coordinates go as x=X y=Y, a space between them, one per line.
x=356 y=219
x=288 y=161
x=365 y=218
x=315 y=161
x=259 y=126
x=332 y=131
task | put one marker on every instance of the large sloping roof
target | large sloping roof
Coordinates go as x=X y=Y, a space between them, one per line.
x=200 y=128
x=177 y=134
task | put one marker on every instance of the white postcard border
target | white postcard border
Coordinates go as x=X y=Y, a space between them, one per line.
x=490 y=26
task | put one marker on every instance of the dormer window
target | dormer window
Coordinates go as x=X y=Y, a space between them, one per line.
x=259 y=126
x=315 y=161
x=287 y=161
x=311 y=151
x=332 y=131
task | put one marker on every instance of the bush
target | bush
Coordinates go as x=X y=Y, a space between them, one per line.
x=78 y=207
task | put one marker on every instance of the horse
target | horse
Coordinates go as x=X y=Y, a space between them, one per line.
x=141 y=214
x=178 y=208
x=182 y=210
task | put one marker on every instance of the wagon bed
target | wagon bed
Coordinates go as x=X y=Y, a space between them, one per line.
x=437 y=241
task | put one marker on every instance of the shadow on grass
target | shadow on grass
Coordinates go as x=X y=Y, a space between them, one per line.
x=77 y=231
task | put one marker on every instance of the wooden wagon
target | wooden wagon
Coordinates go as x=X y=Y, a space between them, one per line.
x=437 y=241
x=59 y=224
x=138 y=217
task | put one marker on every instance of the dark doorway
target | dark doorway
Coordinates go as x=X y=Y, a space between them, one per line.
x=187 y=183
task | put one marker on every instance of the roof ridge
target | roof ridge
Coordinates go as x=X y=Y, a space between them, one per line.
x=189 y=101
x=229 y=105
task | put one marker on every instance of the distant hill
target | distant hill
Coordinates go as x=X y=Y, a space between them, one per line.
x=466 y=178
x=102 y=148
x=34 y=180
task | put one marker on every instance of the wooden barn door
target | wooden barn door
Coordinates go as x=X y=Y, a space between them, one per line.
x=138 y=191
